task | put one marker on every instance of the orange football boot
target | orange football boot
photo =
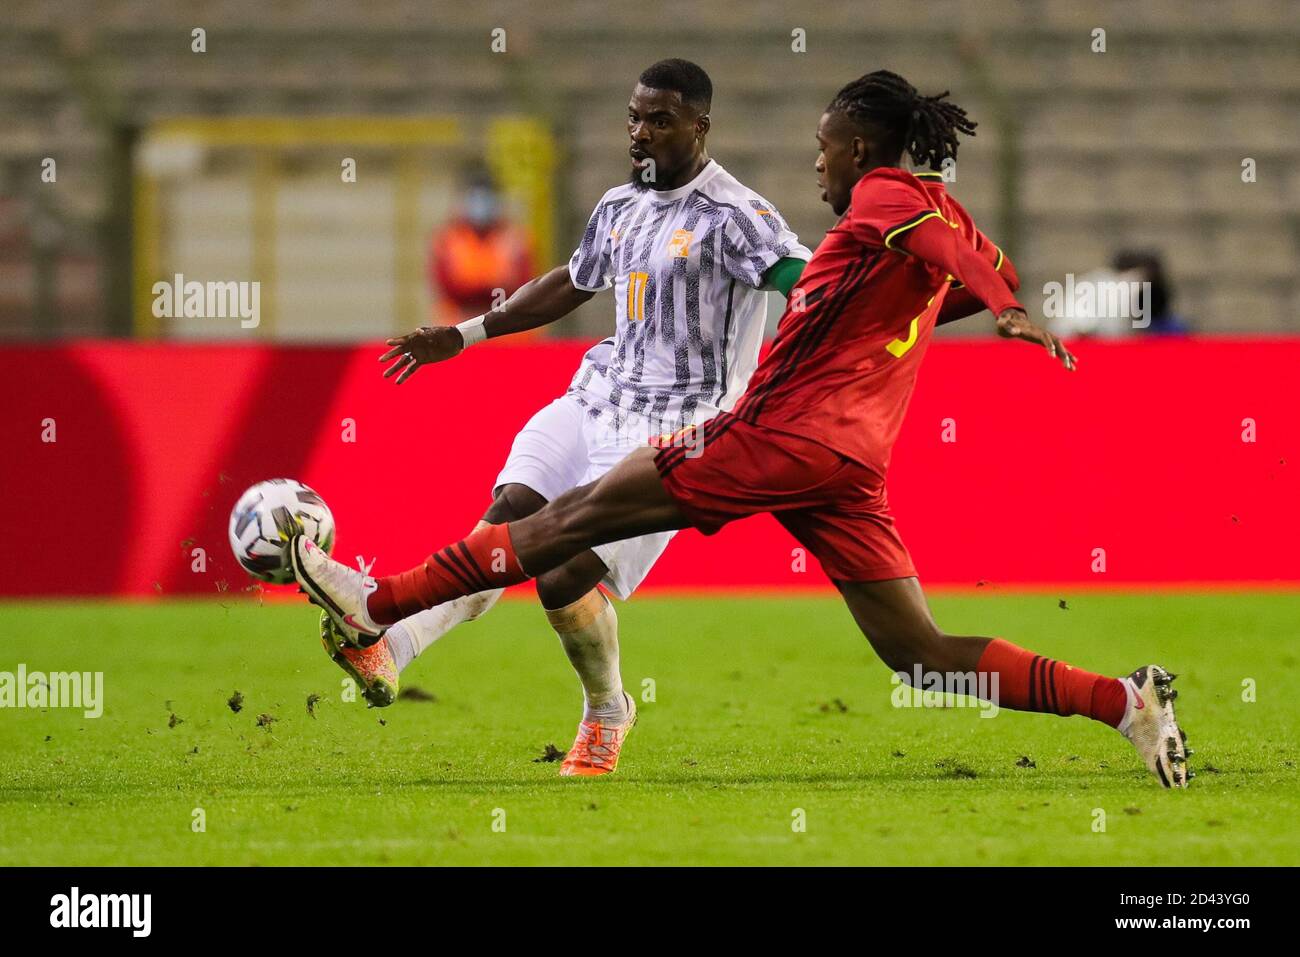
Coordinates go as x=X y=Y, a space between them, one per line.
x=372 y=668
x=595 y=750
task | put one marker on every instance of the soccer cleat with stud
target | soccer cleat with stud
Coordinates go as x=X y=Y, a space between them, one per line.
x=339 y=590
x=595 y=751
x=372 y=668
x=1151 y=727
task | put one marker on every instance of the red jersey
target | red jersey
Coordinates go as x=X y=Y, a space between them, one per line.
x=842 y=367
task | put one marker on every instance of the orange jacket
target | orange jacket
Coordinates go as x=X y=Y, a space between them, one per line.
x=467 y=266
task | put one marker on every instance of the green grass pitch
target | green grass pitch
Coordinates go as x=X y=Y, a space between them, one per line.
x=763 y=707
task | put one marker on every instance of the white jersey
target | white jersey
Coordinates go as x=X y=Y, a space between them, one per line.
x=686 y=266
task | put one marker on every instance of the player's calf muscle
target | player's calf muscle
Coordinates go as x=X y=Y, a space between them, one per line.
x=626 y=502
x=935 y=651
x=895 y=619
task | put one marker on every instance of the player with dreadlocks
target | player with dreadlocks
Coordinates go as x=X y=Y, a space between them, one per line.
x=810 y=441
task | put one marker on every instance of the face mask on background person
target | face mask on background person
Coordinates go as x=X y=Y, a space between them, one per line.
x=482 y=208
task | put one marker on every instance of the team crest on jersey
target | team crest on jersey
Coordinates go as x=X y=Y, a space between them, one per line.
x=679 y=245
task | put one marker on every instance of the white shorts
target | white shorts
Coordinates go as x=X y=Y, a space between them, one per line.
x=562 y=447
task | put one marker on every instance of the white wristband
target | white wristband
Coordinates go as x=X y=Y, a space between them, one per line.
x=472 y=331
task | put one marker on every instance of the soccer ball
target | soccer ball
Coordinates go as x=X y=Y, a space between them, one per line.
x=267 y=516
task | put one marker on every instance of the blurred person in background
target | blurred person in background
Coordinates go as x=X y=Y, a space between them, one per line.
x=1136 y=265
x=480 y=256
x=1093 y=314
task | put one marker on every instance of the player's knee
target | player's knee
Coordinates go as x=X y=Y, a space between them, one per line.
x=513 y=502
x=562 y=586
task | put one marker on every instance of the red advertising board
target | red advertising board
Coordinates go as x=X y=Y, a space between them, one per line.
x=1158 y=462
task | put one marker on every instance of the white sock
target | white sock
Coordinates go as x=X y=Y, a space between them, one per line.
x=588 y=630
x=1127 y=720
x=409 y=638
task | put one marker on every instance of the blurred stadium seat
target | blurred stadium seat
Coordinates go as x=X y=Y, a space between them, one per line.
x=1140 y=144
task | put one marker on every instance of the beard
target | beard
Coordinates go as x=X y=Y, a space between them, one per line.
x=634 y=178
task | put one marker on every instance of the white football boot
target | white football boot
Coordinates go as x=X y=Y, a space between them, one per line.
x=1151 y=727
x=341 y=591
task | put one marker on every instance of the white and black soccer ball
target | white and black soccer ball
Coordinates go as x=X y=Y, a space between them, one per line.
x=267 y=516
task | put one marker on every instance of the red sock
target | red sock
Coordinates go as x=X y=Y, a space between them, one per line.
x=481 y=561
x=1030 y=682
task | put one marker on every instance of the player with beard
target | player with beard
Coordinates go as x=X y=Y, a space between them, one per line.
x=689 y=252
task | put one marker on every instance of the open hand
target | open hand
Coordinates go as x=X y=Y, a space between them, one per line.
x=1015 y=324
x=421 y=347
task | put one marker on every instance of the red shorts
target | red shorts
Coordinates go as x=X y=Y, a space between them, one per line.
x=833 y=506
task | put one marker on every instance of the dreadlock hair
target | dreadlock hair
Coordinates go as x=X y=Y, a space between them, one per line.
x=926 y=127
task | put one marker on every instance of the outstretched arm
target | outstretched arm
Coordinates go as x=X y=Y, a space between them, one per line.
x=959 y=302
x=536 y=303
x=937 y=243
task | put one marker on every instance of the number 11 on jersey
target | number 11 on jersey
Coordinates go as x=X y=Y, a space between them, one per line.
x=636 y=295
